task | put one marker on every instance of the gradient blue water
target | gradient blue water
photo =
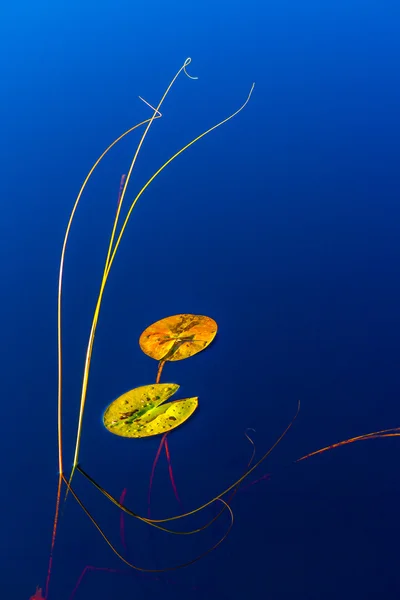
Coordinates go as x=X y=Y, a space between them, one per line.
x=283 y=226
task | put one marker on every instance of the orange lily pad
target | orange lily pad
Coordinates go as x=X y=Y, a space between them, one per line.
x=178 y=337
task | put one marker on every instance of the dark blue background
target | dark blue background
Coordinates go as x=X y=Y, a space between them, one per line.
x=283 y=226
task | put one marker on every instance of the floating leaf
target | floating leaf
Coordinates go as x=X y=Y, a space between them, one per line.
x=178 y=337
x=141 y=412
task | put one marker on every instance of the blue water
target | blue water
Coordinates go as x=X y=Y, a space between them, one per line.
x=283 y=226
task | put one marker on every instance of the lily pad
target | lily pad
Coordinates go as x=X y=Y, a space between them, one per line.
x=178 y=337
x=141 y=412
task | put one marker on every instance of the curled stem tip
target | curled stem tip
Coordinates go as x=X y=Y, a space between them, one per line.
x=185 y=64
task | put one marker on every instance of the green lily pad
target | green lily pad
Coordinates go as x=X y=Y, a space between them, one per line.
x=141 y=412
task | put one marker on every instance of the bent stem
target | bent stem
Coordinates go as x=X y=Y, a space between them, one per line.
x=155 y=522
x=143 y=569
